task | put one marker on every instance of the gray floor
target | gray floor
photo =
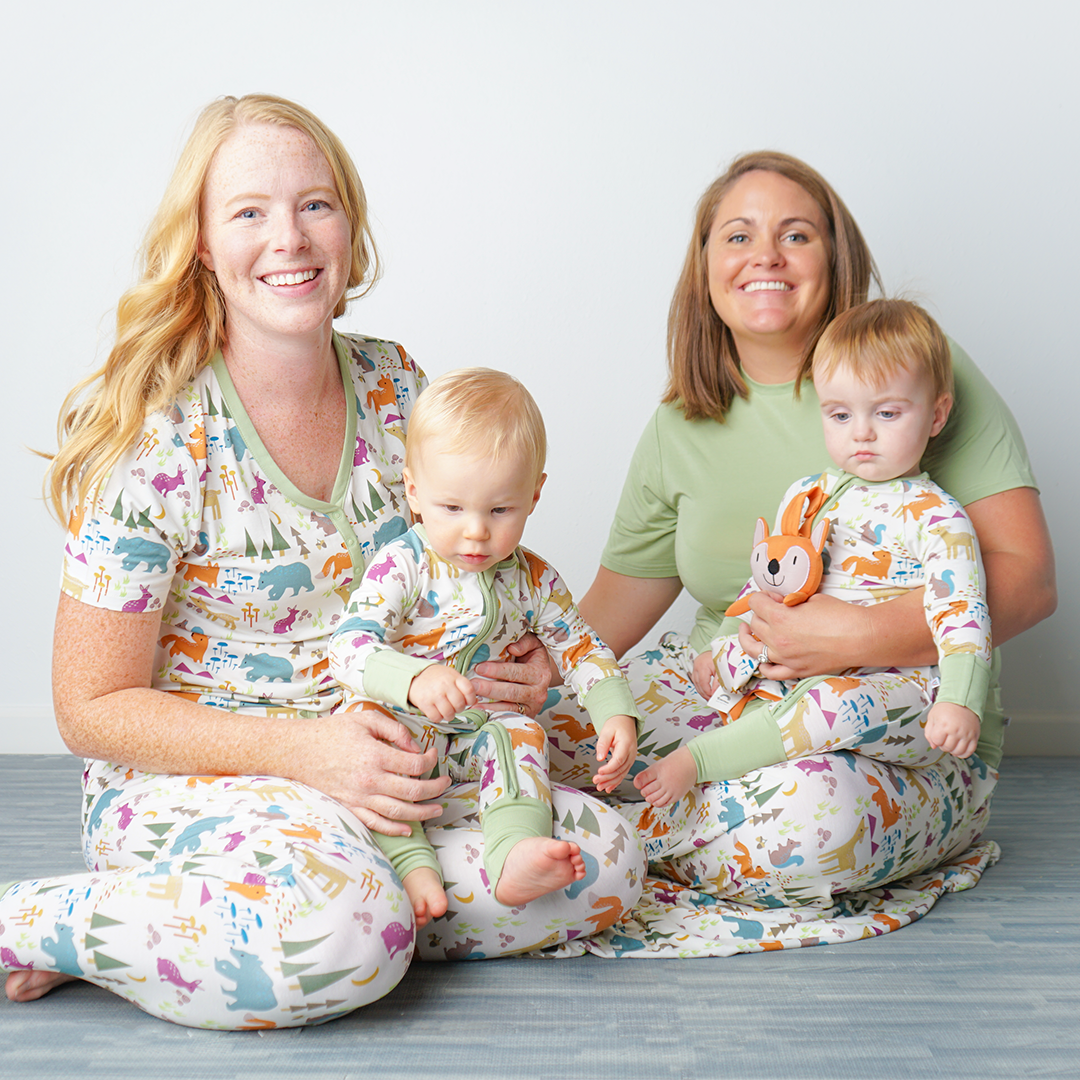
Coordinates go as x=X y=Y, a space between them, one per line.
x=987 y=985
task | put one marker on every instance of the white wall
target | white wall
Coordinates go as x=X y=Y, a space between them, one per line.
x=532 y=168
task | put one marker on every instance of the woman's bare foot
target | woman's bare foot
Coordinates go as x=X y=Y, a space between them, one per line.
x=30 y=985
x=669 y=779
x=426 y=894
x=536 y=866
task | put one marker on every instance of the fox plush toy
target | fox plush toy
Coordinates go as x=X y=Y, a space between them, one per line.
x=789 y=564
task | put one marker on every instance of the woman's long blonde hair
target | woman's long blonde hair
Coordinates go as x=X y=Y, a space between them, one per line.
x=703 y=363
x=173 y=321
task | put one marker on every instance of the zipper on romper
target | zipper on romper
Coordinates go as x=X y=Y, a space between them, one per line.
x=485 y=580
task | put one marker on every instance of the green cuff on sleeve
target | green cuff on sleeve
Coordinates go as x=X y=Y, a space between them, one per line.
x=407 y=853
x=388 y=675
x=751 y=742
x=607 y=698
x=965 y=680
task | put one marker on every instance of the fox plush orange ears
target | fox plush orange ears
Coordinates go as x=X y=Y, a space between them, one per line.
x=789 y=563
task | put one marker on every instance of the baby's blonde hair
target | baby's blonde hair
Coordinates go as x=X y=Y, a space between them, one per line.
x=881 y=337
x=479 y=412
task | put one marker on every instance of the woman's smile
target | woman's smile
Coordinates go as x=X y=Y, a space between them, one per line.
x=768 y=266
x=275 y=234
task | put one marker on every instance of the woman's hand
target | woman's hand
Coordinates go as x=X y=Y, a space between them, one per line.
x=825 y=635
x=370 y=763
x=524 y=681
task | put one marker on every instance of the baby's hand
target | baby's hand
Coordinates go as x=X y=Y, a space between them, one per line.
x=952 y=728
x=669 y=779
x=704 y=675
x=618 y=744
x=440 y=692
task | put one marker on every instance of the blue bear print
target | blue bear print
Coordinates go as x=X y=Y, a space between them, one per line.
x=295 y=576
x=262 y=666
x=254 y=988
x=137 y=550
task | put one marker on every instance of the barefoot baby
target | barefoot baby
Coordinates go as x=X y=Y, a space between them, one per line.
x=456 y=590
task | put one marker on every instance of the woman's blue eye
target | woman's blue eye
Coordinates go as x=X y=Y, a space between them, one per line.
x=247 y=215
x=315 y=204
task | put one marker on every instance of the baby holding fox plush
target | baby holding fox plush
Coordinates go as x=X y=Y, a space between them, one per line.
x=870 y=530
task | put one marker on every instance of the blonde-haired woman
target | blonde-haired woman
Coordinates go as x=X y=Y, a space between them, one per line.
x=784 y=850
x=231 y=469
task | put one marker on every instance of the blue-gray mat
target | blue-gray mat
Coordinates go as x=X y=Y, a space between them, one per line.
x=987 y=985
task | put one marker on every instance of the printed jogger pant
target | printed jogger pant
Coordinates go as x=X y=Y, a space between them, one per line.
x=247 y=902
x=862 y=799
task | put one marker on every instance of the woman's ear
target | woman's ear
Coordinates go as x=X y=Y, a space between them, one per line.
x=942 y=408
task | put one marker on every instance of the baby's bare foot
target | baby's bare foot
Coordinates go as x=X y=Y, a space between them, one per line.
x=536 y=866
x=425 y=892
x=669 y=779
x=30 y=985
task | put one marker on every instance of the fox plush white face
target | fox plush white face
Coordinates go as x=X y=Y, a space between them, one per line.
x=788 y=566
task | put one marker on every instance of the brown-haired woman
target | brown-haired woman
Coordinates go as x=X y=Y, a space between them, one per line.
x=796 y=830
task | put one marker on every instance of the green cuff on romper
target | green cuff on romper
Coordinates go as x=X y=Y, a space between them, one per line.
x=407 y=853
x=607 y=698
x=505 y=822
x=965 y=680
x=751 y=742
x=389 y=674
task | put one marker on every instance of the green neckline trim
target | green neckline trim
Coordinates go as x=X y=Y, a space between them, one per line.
x=258 y=449
x=846 y=480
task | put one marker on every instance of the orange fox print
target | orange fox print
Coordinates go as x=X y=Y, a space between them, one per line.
x=928 y=500
x=195 y=649
x=429 y=639
x=537 y=568
x=877 y=567
x=382 y=396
